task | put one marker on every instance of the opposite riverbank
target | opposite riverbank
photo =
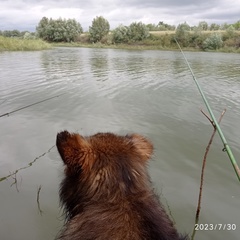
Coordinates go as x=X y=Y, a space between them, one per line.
x=156 y=41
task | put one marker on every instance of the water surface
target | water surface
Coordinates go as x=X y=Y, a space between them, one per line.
x=148 y=92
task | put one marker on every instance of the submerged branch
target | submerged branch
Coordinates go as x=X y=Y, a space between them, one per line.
x=15 y=181
x=38 y=202
x=29 y=165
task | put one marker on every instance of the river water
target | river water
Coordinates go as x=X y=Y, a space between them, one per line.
x=121 y=91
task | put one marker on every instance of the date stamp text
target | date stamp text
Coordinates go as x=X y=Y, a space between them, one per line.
x=215 y=226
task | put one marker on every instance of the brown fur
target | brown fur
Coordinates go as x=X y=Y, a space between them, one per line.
x=107 y=193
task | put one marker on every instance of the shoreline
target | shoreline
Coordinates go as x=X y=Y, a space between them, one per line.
x=141 y=47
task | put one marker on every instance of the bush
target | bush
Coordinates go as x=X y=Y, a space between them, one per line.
x=233 y=42
x=28 y=35
x=120 y=34
x=213 y=42
x=107 y=40
x=230 y=32
x=196 y=39
x=137 y=32
x=100 y=28
x=83 y=38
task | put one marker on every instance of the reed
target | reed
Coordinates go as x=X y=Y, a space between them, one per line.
x=18 y=44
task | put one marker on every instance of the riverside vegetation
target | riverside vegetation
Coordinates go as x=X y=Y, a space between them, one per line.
x=62 y=32
x=20 y=44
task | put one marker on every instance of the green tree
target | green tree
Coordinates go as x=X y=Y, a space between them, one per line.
x=164 y=26
x=152 y=27
x=137 y=31
x=203 y=26
x=214 y=27
x=224 y=26
x=196 y=38
x=41 y=29
x=182 y=34
x=183 y=27
x=13 y=33
x=58 y=30
x=72 y=30
x=100 y=28
x=236 y=25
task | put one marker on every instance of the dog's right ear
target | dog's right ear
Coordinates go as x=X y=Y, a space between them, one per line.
x=143 y=146
x=75 y=150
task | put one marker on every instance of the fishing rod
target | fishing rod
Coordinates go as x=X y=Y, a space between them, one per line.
x=18 y=109
x=216 y=125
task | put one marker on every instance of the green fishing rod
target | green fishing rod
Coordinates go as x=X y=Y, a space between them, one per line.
x=216 y=125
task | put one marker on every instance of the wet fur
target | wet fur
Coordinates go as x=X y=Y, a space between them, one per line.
x=106 y=192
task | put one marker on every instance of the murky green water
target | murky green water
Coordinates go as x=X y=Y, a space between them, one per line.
x=148 y=92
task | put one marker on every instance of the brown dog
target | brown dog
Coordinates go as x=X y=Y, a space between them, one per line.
x=106 y=191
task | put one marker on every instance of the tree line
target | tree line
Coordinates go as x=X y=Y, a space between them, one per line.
x=69 y=30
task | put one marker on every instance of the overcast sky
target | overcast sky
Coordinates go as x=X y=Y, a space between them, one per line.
x=26 y=14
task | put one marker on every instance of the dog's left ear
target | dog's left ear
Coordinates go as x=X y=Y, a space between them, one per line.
x=75 y=150
x=143 y=146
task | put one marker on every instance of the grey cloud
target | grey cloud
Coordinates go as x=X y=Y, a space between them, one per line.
x=25 y=14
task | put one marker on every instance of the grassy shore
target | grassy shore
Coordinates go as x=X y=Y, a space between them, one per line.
x=160 y=40
x=17 y=44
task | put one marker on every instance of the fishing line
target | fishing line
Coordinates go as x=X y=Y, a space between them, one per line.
x=3 y=101
x=19 y=109
x=216 y=125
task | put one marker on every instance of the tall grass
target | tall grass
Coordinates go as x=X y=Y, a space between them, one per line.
x=17 y=44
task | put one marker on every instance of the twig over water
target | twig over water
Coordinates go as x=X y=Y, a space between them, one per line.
x=203 y=168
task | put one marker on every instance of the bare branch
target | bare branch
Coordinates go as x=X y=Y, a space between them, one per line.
x=29 y=165
x=15 y=181
x=209 y=119
x=203 y=168
x=38 y=202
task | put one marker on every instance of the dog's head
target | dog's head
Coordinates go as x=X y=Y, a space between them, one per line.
x=104 y=159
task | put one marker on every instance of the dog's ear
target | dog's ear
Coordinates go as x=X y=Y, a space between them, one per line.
x=74 y=150
x=143 y=146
